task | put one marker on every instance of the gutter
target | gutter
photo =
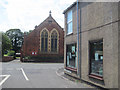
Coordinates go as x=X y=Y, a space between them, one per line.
x=69 y=8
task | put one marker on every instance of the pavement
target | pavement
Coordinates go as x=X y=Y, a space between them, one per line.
x=16 y=74
x=82 y=84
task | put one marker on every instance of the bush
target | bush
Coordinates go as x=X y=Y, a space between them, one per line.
x=27 y=57
x=11 y=53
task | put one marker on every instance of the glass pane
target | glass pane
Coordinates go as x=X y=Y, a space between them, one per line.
x=42 y=44
x=46 y=44
x=54 y=41
x=69 y=16
x=69 y=28
x=42 y=35
x=55 y=44
x=44 y=41
x=51 y=44
x=46 y=34
x=96 y=55
x=71 y=55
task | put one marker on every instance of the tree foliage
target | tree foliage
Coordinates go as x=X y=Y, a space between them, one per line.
x=16 y=36
x=12 y=32
x=6 y=43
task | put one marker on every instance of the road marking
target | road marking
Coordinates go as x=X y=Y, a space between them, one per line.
x=6 y=77
x=24 y=75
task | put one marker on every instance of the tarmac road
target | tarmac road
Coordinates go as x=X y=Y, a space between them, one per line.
x=16 y=74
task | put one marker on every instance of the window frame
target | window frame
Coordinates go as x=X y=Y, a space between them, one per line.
x=96 y=76
x=54 y=39
x=57 y=50
x=44 y=31
x=73 y=68
x=69 y=22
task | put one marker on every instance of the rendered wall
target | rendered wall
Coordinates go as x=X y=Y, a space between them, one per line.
x=99 y=20
x=96 y=24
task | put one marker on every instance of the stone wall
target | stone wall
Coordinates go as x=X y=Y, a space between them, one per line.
x=7 y=58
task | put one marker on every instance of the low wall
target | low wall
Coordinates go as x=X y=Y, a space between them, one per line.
x=7 y=58
x=57 y=59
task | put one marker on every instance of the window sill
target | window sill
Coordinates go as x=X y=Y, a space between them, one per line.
x=71 y=69
x=96 y=77
x=69 y=34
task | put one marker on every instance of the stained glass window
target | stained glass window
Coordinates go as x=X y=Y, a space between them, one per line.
x=44 y=41
x=54 y=41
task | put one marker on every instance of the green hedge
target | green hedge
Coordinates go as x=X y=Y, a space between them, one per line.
x=11 y=53
x=43 y=59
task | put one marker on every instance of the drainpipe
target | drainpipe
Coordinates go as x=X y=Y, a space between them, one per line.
x=79 y=40
x=78 y=70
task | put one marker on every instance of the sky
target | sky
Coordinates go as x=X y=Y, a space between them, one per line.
x=26 y=14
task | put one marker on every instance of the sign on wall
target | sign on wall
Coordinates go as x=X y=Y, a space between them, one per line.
x=34 y=53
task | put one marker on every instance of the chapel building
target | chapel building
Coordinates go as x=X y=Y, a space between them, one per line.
x=44 y=43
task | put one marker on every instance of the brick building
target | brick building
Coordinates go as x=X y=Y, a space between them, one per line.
x=92 y=45
x=45 y=42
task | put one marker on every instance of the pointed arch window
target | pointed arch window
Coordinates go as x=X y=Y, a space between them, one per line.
x=44 y=41
x=54 y=41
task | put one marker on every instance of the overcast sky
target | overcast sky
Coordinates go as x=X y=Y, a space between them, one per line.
x=26 y=14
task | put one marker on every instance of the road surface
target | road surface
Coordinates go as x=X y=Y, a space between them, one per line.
x=16 y=74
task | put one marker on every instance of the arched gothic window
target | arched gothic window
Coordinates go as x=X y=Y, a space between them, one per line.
x=54 y=41
x=44 y=41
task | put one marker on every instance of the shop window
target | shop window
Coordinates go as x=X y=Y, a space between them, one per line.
x=54 y=41
x=71 y=55
x=44 y=41
x=96 y=58
x=69 y=22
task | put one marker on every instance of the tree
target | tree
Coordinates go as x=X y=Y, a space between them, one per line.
x=16 y=36
x=6 y=43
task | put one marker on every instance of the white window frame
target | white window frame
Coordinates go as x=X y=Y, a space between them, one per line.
x=69 y=22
